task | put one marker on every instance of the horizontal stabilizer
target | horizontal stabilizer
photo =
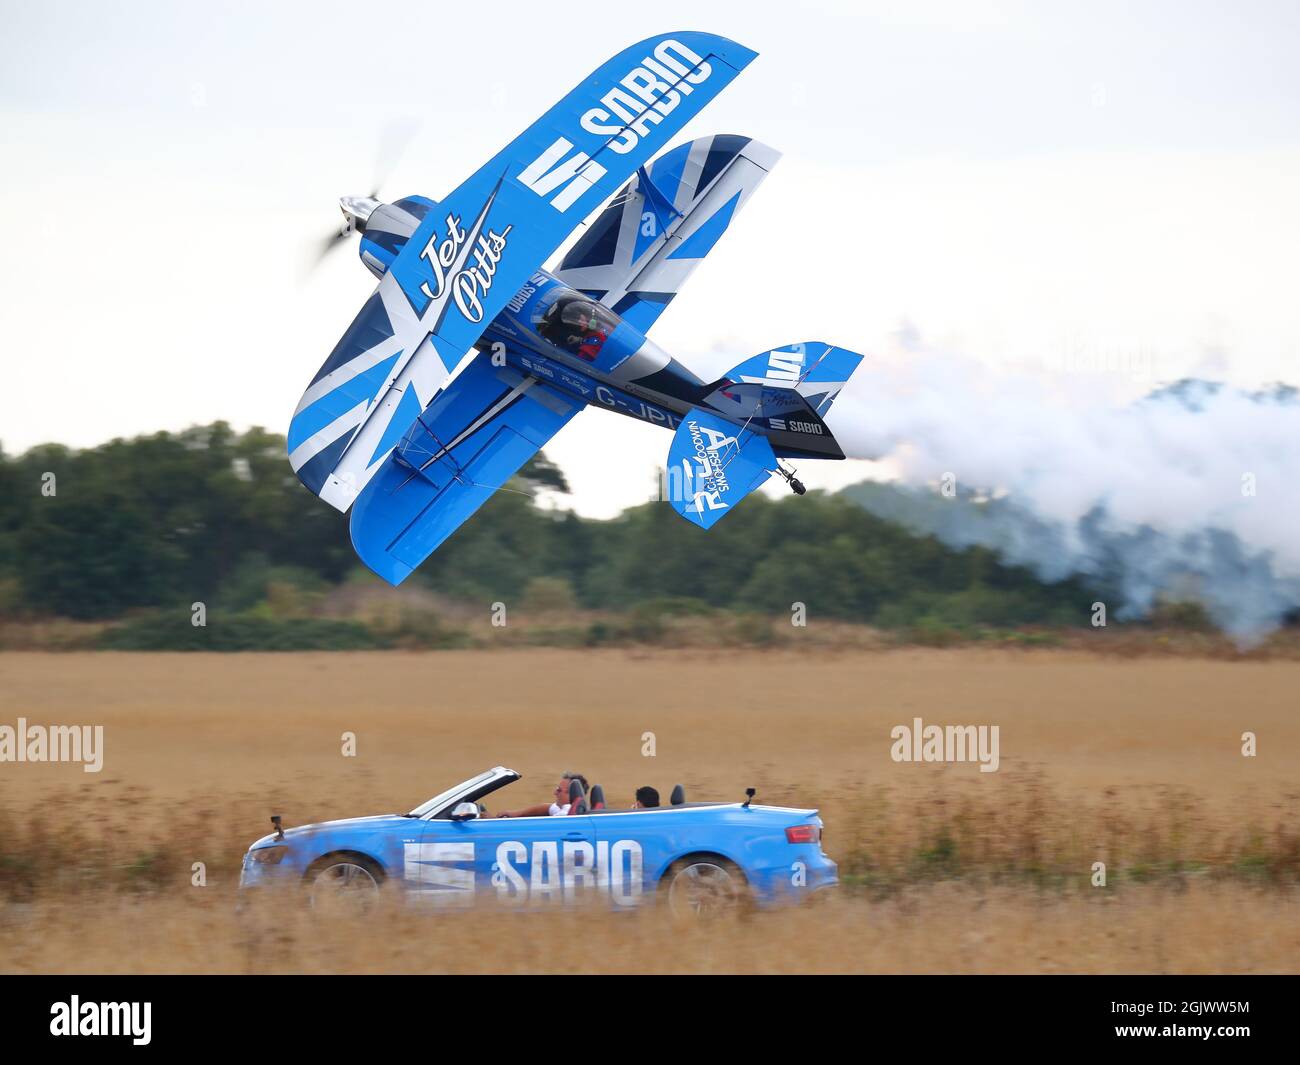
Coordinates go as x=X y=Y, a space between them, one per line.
x=474 y=437
x=712 y=465
x=786 y=393
x=816 y=370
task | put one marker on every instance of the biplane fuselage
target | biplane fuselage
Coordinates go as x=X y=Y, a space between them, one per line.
x=607 y=361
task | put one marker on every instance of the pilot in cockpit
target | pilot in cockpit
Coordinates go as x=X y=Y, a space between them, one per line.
x=578 y=327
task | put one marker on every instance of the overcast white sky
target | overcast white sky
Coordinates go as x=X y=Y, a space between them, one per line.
x=1051 y=187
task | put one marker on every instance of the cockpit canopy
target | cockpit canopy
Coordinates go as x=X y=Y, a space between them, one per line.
x=577 y=323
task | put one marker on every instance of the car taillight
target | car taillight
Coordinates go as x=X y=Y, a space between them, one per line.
x=803 y=834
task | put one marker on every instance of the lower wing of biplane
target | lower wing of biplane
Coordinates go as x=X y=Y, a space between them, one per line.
x=473 y=438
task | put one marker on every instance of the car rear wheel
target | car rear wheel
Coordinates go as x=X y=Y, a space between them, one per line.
x=705 y=887
x=344 y=883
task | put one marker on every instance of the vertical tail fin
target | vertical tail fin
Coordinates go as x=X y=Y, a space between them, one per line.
x=712 y=465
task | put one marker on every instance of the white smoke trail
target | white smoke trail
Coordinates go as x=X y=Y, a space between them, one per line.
x=1193 y=490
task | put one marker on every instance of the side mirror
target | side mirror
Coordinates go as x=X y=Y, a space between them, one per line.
x=465 y=811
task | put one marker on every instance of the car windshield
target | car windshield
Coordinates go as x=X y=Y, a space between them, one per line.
x=439 y=801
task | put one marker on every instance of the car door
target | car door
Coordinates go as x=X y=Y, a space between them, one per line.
x=439 y=865
x=511 y=861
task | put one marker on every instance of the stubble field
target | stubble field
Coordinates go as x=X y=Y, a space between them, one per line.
x=1135 y=763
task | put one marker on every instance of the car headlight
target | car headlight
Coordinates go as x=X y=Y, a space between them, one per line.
x=268 y=855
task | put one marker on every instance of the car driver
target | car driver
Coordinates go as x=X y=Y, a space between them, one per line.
x=557 y=808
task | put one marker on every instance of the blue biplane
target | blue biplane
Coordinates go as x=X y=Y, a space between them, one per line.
x=383 y=431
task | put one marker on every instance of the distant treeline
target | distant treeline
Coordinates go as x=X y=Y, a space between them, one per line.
x=211 y=515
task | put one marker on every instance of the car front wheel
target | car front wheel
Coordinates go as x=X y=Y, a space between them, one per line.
x=343 y=883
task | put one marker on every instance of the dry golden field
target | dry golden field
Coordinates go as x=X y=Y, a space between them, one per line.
x=1135 y=762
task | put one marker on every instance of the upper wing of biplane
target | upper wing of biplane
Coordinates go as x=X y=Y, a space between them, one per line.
x=472 y=439
x=471 y=253
x=637 y=255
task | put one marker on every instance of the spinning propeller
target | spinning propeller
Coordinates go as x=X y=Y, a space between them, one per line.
x=394 y=139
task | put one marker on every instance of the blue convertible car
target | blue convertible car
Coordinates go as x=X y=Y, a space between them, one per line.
x=450 y=853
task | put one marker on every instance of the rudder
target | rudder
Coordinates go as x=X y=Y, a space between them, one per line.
x=712 y=465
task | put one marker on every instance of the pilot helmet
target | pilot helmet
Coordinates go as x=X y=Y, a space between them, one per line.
x=578 y=312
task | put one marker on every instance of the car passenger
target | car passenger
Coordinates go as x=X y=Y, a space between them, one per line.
x=647 y=798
